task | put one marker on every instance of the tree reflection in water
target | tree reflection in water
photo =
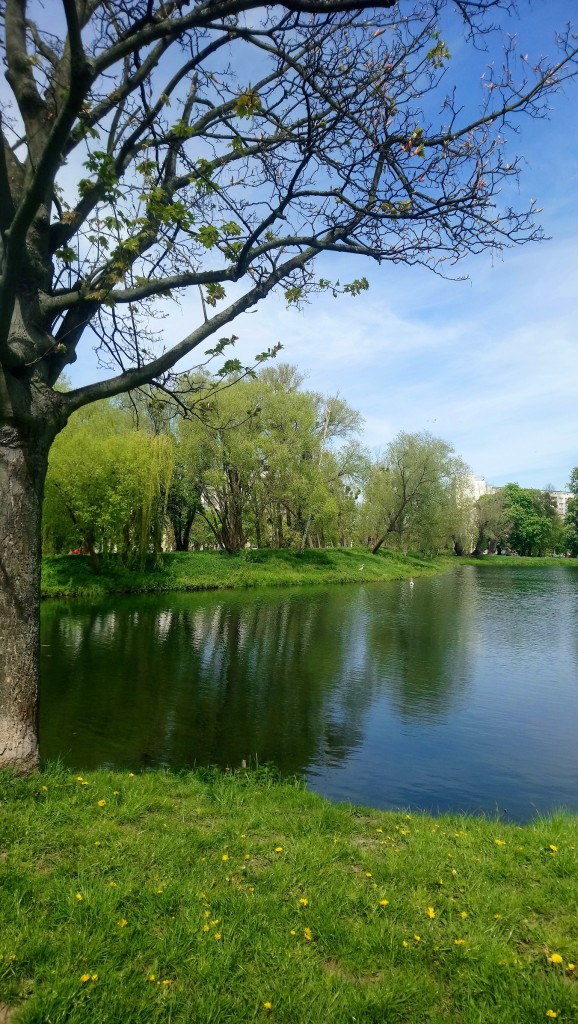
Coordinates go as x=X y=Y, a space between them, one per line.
x=458 y=692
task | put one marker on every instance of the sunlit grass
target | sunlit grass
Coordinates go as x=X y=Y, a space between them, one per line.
x=71 y=575
x=517 y=561
x=231 y=898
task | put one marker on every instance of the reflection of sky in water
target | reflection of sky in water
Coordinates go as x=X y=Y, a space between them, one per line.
x=461 y=693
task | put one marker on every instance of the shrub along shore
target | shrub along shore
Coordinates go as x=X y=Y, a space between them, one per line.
x=234 y=897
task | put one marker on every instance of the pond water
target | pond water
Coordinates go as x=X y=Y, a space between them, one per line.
x=459 y=694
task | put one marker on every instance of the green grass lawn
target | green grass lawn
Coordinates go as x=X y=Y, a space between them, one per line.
x=210 y=898
x=521 y=560
x=71 y=575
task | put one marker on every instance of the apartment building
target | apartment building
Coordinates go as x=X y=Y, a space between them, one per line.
x=478 y=485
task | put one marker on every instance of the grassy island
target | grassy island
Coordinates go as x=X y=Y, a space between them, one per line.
x=234 y=897
x=72 y=576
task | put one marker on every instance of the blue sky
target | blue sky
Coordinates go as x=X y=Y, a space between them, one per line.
x=489 y=364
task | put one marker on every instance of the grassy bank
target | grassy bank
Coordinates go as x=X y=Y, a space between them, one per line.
x=521 y=560
x=71 y=575
x=208 y=898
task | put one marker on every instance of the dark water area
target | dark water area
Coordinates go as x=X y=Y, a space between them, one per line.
x=459 y=694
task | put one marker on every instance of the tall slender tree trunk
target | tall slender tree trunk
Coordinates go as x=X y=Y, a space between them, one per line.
x=23 y=464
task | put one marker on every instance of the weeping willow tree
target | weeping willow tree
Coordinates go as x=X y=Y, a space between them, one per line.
x=107 y=487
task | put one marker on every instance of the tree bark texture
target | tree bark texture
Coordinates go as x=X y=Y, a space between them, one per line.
x=23 y=464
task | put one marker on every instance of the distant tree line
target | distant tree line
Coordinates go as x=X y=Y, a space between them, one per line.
x=267 y=463
x=525 y=521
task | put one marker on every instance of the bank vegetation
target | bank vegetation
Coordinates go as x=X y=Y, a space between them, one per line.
x=257 y=461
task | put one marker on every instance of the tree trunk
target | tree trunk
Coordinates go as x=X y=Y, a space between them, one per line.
x=23 y=464
x=177 y=534
x=187 y=532
x=89 y=544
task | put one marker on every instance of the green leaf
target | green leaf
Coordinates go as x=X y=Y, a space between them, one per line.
x=247 y=104
x=208 y=235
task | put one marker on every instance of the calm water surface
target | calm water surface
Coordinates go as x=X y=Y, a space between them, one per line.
x=461 y=694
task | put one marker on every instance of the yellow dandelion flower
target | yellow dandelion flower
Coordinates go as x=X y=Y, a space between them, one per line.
x=497 y=916
x=308 y=934
x=205 y=928
x=167 y=981
x=556 y=958
x=217 y=936
x=115 y=792
x=123 y=922
x=379 y=830
x=151 y=977
x=79 y=896
x=85 y=783
x=459 y=942
x=304 y=902
x=102 y=803
x=247 y=856
x=79 y=778
x=225 y=856
x=98 y=843
x=112 y=885
x=552 y=1013
x=417 y=938
x=454 y=872
x=553 y=847
x=278 y=849
x=215 y=923
x=463 y=914
x=431 y=913
x=384 y=903
x=500 y=842
x=570 y=967
x=405 y=944
x=293 y=932
x=267 y=1005
x=44 y=788
x=84 y=978
x=131 y=775
x=94 y=977
x=206 y=913
x=368 y=874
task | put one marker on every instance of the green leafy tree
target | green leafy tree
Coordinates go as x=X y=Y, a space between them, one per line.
x=571 y=519
x=213 y=144
x=491 y=522
x=258 y=466
x=411 y=497
x=106 y=486
x=534 y=522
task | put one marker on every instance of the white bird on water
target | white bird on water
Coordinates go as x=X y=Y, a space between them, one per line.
x=411 y=583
